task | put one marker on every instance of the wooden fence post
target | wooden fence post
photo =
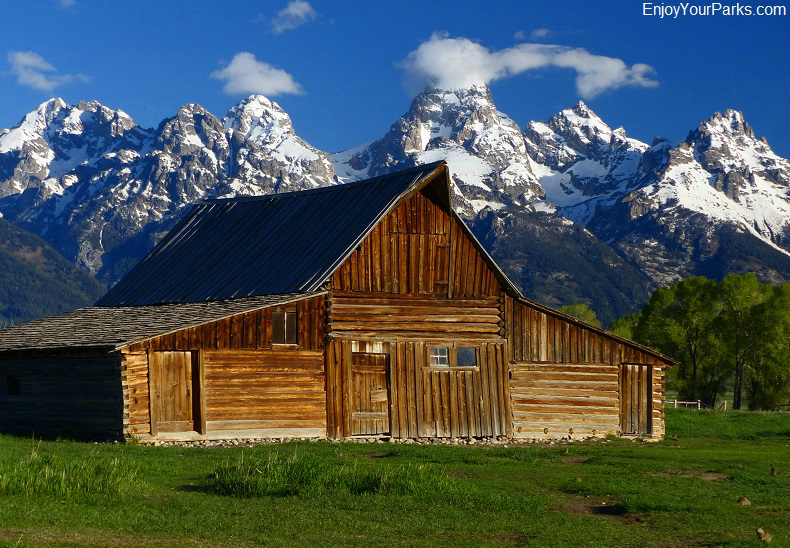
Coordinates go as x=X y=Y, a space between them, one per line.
x=698 y=405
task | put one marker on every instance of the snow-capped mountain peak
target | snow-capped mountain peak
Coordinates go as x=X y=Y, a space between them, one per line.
x=264 y=123
x=581 y=157
x=483 y=147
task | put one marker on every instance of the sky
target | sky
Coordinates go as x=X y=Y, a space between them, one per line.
x=345 y=71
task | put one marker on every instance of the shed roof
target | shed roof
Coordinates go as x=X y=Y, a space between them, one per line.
x=265 y=245
x=116 y=327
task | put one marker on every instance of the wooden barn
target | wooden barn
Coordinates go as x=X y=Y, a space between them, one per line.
x=363 y=309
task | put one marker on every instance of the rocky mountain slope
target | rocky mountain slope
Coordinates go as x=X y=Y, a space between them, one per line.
x=575 y=211
x=484 y=148
x=691 y=206
x=35 y=280
x=102 y=189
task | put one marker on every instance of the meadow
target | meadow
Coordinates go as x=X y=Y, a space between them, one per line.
x=677 y=492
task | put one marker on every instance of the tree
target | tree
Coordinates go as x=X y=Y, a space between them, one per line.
x=625 y=326
x=743 y=324
x=767 y=364
x=680 y=321
x=581 y=312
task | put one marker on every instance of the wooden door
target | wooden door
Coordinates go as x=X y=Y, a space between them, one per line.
x=636 y=397
x=369 y=394
x=172 y=391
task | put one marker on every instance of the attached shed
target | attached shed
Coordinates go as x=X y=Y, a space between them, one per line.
x=354 y=310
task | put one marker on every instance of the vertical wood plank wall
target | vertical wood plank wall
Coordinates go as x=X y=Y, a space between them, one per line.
x=241 y=344
x=426 y=401
x=417 y=249
x=565 y=378
x=62 y=395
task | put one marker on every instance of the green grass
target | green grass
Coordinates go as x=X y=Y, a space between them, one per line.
x=57 y=475
x=677 y=492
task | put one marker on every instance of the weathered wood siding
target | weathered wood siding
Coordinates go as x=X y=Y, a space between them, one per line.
x=241 y=345
x=425 y=401
x=246 y=331
x=134 y=377
x=565 y=378
x=417 y=249
x=386 y=317
x=416 y=281
x=562 y=400
x=264 y=389
x=62 y=395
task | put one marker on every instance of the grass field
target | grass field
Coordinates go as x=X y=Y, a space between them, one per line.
x=680 y=491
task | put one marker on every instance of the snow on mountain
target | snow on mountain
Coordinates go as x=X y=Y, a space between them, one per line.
x=266 y=124
x=102 y=190
x=483 y=147
x=580 y=157
x=720 y=180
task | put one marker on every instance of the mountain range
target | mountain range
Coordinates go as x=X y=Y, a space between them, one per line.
x=573 y=210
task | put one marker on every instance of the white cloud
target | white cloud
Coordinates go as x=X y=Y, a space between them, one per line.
x=66 y=4
x=293 y=15
x=245 y=74
x=32 y=70
x=539 y=33
x=453 y=63
x=534 y=35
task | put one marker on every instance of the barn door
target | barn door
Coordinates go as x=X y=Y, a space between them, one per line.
x=636 y=400
x=172 y=391
x=369 y=395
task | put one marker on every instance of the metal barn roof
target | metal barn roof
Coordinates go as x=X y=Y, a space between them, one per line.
x=273 y=244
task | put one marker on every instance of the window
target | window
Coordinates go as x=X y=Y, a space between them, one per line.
x=466 y=357
x=283 y=327
x=439 y=356
x=453 y=357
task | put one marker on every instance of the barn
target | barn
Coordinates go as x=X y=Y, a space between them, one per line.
x=364 y=309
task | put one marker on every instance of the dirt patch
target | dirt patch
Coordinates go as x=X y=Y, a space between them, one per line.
x=713 y=476
x=376 y=456
x=598 y=507
x=574 y=460
x=706 y=476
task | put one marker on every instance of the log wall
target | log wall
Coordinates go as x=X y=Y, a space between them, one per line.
x=387 y=317
x=565 y=378
x=76 y=395
x=265 y=390
x=564 y=400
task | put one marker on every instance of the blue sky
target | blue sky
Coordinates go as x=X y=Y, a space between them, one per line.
x=340 y=69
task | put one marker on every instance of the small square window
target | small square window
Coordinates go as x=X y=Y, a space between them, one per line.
x=283 y=327
x=439 y=356
x=466 y=357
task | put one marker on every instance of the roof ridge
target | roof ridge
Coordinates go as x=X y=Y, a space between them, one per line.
x=328 y=188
